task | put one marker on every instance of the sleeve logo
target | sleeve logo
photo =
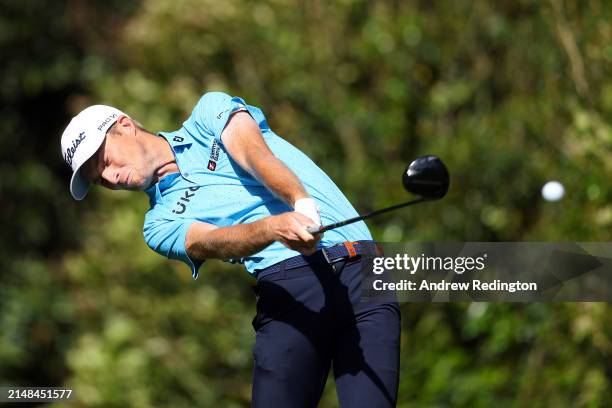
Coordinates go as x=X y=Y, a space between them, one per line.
x=214 y=156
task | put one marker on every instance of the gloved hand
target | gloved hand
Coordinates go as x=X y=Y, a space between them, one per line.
x=309 y=208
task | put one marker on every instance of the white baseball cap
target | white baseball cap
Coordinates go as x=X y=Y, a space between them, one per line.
x=82 y=138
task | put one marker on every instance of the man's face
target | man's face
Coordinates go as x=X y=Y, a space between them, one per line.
x=121 y=162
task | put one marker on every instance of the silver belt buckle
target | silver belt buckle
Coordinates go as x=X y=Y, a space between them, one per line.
x=326 y=255
x=329 y=261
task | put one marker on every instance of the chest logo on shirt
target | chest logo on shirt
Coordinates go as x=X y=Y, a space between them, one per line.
x=181 y=204
x=214 y=156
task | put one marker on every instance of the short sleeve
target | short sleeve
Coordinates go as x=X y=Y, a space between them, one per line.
x=167 y=238
x=214 y=109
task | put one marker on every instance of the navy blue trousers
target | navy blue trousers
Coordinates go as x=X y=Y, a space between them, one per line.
x=310 y=319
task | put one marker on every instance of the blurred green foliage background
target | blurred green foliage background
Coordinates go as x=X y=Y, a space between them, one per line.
x=509 y=93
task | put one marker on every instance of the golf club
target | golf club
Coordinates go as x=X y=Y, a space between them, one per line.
x=426 y=177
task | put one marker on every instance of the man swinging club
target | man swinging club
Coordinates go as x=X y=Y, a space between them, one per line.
x=225 y=186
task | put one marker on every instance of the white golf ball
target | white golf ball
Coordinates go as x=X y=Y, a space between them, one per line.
x=553 y=191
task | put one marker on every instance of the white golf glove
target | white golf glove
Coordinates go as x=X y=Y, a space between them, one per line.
x=309 y=208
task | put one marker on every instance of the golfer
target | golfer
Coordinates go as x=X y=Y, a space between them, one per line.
x=225 y=186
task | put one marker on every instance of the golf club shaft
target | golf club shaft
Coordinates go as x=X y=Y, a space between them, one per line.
x=319 y=230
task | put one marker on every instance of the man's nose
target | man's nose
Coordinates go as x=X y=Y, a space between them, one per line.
x=111 y=176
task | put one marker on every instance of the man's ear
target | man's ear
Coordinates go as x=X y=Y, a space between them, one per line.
x=125 y=125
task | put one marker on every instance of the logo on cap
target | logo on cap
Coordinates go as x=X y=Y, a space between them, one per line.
x=105 y=121
x=72 y=149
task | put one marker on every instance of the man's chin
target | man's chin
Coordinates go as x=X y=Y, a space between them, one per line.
x=137 y=187
x=146 y=184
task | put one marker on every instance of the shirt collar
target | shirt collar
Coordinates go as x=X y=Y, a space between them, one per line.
x=178 y=142
x=176 y=139
x=153 y=193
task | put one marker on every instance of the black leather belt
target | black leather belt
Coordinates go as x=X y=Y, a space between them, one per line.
x=330 y=255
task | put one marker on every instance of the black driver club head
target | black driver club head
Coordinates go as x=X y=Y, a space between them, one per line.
x=426 y=177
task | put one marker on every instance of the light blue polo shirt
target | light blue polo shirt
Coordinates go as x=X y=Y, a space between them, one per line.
x=213 y=188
